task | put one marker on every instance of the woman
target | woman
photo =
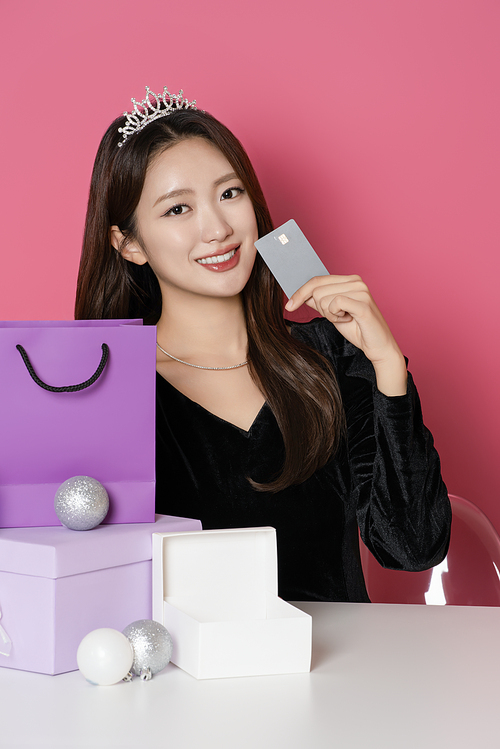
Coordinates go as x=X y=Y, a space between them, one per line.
x=310 y=428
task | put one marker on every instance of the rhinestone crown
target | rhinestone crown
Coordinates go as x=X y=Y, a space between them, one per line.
x=151 y=108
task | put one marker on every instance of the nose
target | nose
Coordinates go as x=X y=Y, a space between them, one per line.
x=214 y=225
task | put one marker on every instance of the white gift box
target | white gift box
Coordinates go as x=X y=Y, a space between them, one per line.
x=216 y=593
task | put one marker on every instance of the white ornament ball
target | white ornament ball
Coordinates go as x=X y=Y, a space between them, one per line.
x=81 y=503
x=105 y=656
x=152 y=646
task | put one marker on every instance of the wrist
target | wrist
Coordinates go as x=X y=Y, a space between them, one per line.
x=391 y=375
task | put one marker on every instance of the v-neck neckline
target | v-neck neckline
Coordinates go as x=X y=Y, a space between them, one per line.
x=245 y=432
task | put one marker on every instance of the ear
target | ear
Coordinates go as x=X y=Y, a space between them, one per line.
x=129 y=250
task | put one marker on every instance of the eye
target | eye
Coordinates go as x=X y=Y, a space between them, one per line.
x=177 y=210
x=231 y=192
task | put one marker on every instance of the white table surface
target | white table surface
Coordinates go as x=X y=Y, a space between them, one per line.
x=405 y=677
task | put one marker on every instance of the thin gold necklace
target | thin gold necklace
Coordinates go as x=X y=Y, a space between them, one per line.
x=198 y=366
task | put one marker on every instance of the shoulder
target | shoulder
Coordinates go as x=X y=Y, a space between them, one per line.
x=321 y=335
x=324 y=337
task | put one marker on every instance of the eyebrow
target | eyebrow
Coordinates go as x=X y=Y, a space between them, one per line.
x=186 y=191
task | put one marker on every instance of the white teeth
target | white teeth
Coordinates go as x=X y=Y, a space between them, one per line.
x=216 y=258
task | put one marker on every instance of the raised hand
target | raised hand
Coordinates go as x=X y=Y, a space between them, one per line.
x=347 y=303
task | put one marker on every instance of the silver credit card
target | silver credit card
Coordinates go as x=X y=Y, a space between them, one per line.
x=290 y=257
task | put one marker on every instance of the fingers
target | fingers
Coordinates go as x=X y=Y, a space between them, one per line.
x=340 y=307
x=318 y=286
x=340 y=299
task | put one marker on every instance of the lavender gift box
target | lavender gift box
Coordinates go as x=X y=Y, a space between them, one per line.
x=56 y=585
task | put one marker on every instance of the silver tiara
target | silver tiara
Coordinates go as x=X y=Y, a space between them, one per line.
x=151 y=108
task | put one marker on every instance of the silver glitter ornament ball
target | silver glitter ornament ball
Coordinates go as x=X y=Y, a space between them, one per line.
x=152 y=646
x=81 y=503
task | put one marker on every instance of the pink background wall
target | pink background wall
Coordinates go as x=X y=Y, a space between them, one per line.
x=373 y=123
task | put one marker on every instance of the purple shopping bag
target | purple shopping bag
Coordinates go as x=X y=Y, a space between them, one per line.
x=51 y=431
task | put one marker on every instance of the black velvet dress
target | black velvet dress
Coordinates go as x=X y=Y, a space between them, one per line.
x=385 y=479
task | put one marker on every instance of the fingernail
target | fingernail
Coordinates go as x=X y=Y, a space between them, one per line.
x=289 y=305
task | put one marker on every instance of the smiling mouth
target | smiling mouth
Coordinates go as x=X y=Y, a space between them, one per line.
x=217 y=258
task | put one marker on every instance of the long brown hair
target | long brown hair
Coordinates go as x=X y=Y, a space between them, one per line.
x=299 y=384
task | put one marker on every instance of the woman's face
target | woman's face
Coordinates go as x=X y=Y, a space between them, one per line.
x=196 y=222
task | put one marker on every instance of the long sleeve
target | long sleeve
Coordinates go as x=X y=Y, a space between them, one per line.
x=401 y=502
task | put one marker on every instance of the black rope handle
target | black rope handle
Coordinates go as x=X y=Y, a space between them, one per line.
x=67 y=388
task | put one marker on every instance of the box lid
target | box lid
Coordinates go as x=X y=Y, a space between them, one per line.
x=236 y=562
x=59 y=552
